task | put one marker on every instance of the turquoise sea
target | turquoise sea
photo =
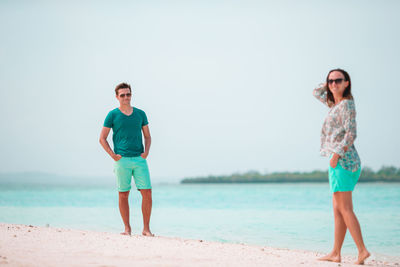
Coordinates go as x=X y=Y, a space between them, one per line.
x=295 y=216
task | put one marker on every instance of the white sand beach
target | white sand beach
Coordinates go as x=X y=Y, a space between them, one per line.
x=27 y=245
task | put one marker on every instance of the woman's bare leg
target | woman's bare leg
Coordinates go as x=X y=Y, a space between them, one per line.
x=340 y=233
x=345 y=204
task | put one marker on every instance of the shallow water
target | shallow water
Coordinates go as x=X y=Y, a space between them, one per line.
x=296 y=216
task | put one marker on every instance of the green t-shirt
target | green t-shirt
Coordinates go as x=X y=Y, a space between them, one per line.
x=127 y=131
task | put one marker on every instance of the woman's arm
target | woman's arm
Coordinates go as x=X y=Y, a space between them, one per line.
x=321 y=93
x=348 y=116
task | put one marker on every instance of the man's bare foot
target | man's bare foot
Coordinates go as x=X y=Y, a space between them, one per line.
x=362 y=257
x=331 y=257
x=127 y=231
x=147 y=233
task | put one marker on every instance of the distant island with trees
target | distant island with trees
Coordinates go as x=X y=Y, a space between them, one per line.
x=385 y=174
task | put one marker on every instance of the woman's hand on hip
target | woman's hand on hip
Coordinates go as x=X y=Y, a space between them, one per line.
x=334 y=160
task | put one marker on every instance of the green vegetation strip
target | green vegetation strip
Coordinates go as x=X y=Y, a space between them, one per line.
x=385 y=174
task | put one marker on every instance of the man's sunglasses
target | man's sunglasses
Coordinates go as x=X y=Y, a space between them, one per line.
x=337 y=81
x=127 y=95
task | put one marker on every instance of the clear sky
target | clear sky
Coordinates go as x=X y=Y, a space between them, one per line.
x=226 y=85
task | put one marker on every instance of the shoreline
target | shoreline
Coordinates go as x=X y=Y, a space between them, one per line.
x=27 y=245
x=288 y=182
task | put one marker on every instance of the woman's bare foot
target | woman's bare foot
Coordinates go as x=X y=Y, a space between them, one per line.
x=335 y=257
x=147 y=233
x=362 y=256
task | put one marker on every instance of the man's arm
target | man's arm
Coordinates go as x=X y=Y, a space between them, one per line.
x=147 y=141
x=104 y=143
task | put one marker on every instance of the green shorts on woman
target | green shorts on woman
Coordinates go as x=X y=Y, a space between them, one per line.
x=128 y=167
x=342 y=180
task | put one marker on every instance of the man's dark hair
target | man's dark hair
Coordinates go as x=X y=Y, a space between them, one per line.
x=122 y=86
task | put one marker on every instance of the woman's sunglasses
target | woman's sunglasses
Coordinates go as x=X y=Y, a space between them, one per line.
x=337 y=81
x=127 y=95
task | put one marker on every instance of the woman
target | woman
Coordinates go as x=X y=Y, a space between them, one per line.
x=337 y=138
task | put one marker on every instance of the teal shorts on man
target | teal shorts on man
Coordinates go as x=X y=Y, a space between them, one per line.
x=128 y=167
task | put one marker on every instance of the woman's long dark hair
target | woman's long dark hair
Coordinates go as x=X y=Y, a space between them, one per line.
x=347 y=92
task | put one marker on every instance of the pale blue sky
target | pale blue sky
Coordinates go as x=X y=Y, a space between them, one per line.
x=226 y=85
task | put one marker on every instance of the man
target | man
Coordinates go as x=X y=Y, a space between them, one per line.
x=128 y=123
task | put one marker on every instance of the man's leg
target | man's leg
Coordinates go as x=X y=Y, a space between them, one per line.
x=124 y=210
x=123 y=171
x=141 y=175
x=146 y=211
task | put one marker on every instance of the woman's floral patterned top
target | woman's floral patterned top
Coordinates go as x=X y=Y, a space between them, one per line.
x=339 y=131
